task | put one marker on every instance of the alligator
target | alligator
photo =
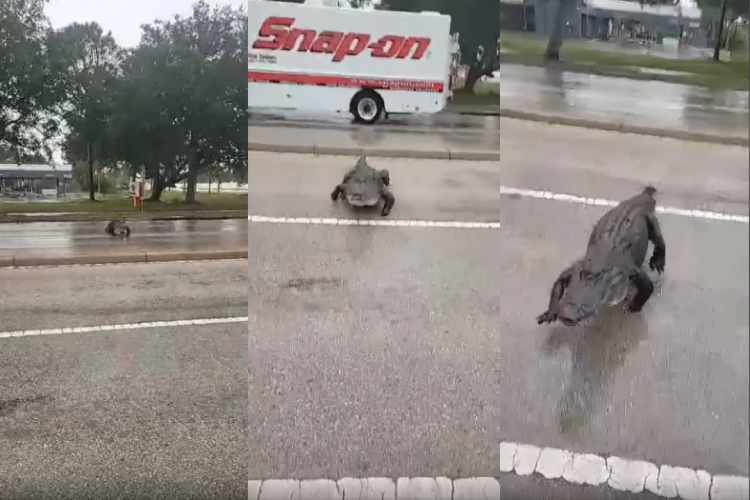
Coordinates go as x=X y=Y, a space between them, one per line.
x=613 y=262
x=118 y=228
x=364 y=186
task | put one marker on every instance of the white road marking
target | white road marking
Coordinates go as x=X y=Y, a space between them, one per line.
x=317 y=221
x=616 y=473
x=504 y=190
x=125 y=326
x=582 y=200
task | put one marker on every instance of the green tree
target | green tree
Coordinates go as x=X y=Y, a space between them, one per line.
x=27 y=90
x=476 y=22
x=199 y=72
x=90 y=61
x=143 y=129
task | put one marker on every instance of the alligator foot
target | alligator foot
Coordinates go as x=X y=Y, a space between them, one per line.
x=546 y=317
x=388 y=199
x=337 y=192
x=644 y=289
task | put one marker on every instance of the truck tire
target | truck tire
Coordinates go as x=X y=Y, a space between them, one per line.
x=367 y=106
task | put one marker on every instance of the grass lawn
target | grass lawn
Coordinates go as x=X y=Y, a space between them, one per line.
x=578 y=55
x=172 y=204
x=485 y=94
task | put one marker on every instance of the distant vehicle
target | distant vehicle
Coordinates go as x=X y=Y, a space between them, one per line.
x=322 y=56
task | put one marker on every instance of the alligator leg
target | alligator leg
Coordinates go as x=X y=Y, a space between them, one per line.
x=388 y=200
x=338 y=190
x=658 y=259
x=558 y=290
x=644 y=289
x=386 y=176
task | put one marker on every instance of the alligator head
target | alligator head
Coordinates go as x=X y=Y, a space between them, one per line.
x=589 y=291
x=362 y=188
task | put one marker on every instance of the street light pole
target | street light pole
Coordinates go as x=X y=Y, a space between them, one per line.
x=720 y=31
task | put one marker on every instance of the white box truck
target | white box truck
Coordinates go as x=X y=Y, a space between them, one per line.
x=370 y=63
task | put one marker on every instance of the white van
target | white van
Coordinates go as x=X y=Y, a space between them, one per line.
x=370 y=63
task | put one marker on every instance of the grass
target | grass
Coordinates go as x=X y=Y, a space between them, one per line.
x=111 y=205
x=577 y=55
x=485 y=94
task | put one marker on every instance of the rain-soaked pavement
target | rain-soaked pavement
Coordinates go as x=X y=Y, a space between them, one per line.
x=619 y=100
x=453 y=132
x=649 y=103
x=133 y=413
x=408 y=351
x=80 y=238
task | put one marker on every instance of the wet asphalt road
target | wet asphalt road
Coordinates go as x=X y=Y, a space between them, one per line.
x=654 y=104
x=413 y=352
x=441 y=132
x=122 y=414
x=77 y=238
x=619 y=100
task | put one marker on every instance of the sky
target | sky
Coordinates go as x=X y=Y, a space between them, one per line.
x=122 y=17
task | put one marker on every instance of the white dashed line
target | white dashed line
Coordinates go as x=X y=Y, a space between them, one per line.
x=125 y=326
x=601 y=202
x=620 y=474
x=509 y=191
x=315 y=221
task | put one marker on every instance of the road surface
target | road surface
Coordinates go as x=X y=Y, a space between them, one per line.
x=413 y=351
x=77 y=238
x=635 y=102
x=476 y=133
x=619 y=100
x=124 y=413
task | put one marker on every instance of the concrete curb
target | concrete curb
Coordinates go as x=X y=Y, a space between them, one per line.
x=132 y=258
x=378 y=152
x=625 y=128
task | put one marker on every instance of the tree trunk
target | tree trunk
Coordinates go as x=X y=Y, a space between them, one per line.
x=157 y=188
x=720 y=31
x=556 y=35
x=473 y=75
x=90 y=160
x=192 y=173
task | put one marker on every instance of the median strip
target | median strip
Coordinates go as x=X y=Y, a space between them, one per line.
x=121 y=258
x=466 y=155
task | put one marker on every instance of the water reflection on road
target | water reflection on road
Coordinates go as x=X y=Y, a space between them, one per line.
x=651 y=103
x=74 y=237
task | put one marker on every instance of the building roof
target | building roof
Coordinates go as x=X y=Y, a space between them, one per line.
x=624 y=6
x=35 y=171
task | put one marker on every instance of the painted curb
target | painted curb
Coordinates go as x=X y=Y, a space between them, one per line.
x=678 y=484
x=375 y=152
x=132 y=258
x=520 y=460
x=376 y=488
x=570 y=121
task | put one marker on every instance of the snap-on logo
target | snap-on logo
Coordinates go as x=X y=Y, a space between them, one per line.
x=277 y=33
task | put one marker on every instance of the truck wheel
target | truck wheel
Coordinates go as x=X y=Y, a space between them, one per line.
x=367 y=106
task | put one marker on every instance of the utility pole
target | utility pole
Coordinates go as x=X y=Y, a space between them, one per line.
x=720 y=31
